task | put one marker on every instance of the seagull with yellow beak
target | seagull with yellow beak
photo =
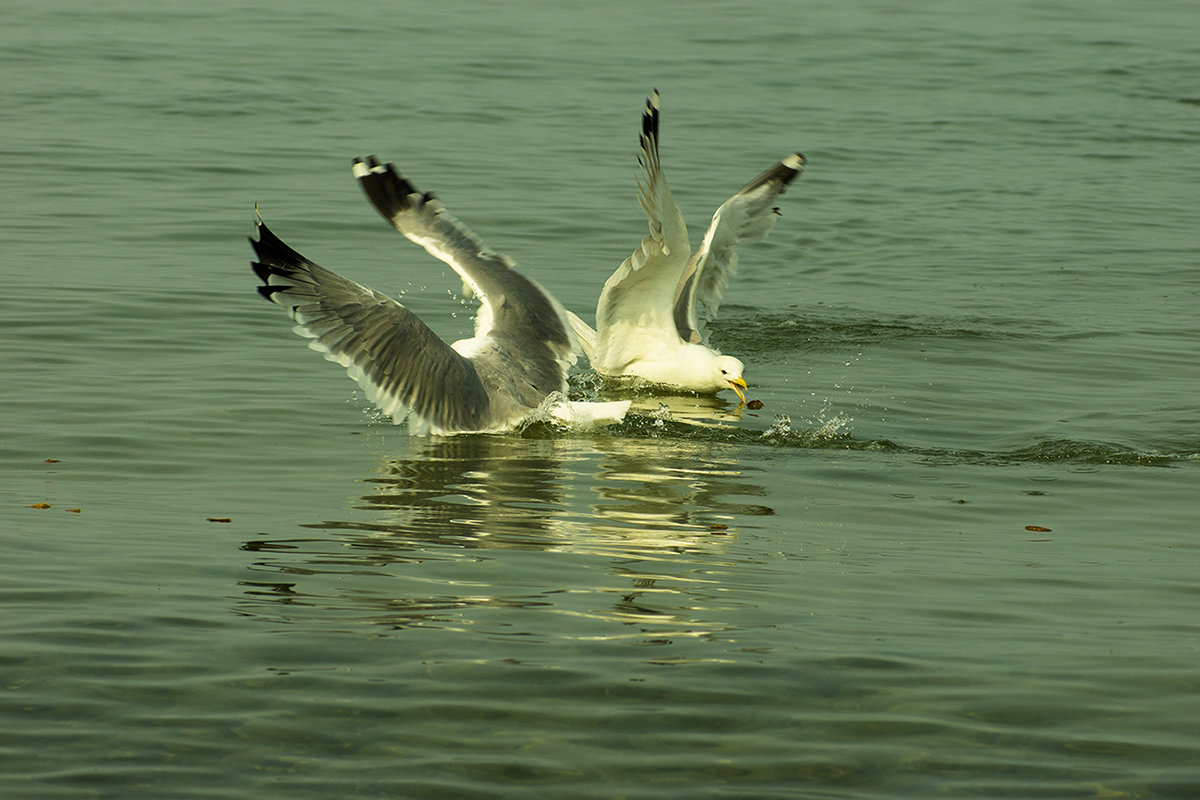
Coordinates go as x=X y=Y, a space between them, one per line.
x=651 y=315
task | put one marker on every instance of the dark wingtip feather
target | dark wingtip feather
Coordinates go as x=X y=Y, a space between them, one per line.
x=791 y=166
x=650 y=119
x=261 y=270
x=388 y=190
x=269 y=289
x=276 y=260
x=271 y=250
x=782 y=173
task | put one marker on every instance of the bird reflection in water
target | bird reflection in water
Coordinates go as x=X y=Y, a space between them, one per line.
x=660 y=503
x=608 y=494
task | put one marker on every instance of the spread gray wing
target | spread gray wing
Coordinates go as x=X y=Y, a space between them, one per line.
x=396 y=358
x=746 y=217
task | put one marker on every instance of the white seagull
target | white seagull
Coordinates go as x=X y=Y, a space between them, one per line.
x=516 y=362
x=651 y=315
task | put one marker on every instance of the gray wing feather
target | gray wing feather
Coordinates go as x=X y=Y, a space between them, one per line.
x=396 y=358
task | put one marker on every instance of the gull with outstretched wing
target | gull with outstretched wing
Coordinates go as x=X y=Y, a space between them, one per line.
x=516 y=361
x=652 y=312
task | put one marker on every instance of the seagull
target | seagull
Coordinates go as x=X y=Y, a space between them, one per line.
x=515 y=365
x=652 y=312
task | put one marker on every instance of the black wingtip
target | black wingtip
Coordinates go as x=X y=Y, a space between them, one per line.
x=265 y=290
x=388 y=190
x=262 y=271
x=270 y=248
x=790 y=168
x=275 y=260
x=650 y=116
x=786 y=171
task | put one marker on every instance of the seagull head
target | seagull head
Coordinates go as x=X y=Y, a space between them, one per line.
x=730 y=375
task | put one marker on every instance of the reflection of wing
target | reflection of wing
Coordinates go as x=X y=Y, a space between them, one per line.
x=746 y=217
x=640 y=294
x=511 y=305
x=396 y=358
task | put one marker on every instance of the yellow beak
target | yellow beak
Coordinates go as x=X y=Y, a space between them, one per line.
x=738 y=384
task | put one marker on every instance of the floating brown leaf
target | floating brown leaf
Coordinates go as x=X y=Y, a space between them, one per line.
x=39 y=505
x=75 y=510
x=1037 y=529
x=220 y=519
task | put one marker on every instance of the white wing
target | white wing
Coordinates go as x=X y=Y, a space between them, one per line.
x=639 y=295
x=746 y=217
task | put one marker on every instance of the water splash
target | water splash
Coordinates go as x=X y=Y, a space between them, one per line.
x=369 y=410
x=661 y=416
x=780 y=429
x=585 y=386
x=830 y=425
x=543 y=416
